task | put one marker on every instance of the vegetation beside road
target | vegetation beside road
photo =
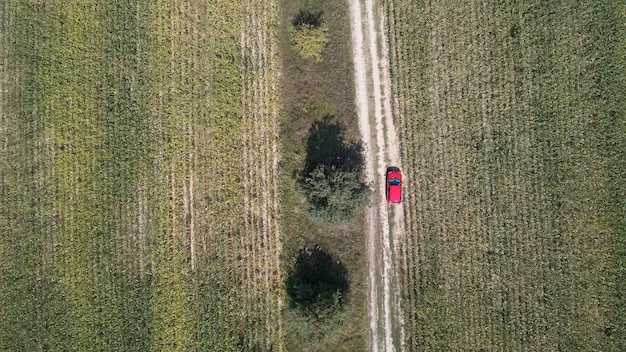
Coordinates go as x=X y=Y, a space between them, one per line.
x=319 y=126
x=511 y=121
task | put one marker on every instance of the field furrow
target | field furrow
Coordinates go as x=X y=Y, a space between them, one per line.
x=260 y=121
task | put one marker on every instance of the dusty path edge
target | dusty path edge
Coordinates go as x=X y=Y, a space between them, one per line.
x=373 y=101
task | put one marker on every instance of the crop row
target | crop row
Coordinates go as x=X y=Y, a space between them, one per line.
x=260 y=248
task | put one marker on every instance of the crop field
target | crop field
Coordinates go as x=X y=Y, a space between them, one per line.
x=511 y=117
x=138 y=167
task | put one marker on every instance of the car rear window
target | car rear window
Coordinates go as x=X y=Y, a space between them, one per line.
x=394 y=182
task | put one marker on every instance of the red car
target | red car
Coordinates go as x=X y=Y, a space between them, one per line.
x=394 y=185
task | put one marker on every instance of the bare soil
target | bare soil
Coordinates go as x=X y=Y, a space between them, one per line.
x=384 y=223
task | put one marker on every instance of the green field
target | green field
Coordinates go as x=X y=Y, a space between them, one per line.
x=122 y=220
x=511 y=116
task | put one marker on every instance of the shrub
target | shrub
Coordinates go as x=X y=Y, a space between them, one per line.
x=318 y=284
x=335 y=195
x=309 y=40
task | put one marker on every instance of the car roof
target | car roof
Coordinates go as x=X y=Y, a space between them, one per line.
x=395 y=194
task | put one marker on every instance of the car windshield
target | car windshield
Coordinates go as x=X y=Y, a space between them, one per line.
x=394 y=182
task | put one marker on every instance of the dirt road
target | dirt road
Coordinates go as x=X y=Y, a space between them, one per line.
x=384 y=223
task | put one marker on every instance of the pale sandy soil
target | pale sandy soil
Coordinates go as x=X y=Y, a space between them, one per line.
x=384 y=223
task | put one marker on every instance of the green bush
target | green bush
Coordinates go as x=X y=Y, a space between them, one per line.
x=335 y=195
x=318 y=284
x=308 y=41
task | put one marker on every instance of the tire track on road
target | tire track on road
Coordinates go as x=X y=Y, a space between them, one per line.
x=373 y=99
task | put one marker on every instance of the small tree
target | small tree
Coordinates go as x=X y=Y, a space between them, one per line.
x=318 y=284
x=335 y=195
x=309 y=40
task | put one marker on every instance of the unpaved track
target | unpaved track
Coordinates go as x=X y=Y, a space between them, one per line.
x=373 y=98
